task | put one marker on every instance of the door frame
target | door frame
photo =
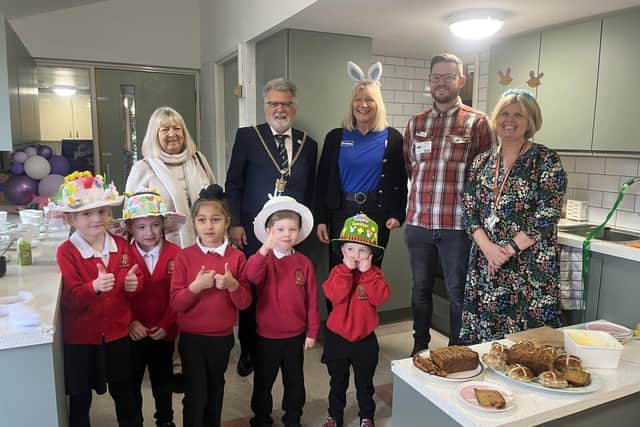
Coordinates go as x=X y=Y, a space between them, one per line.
x=92 y=65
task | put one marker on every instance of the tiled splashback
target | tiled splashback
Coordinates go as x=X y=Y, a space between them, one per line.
x=598 y=180
x=594 y=179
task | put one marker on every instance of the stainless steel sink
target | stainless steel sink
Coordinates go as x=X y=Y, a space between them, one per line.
x=607 y=234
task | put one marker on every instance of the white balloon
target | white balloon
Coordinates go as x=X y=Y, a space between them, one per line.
x=37 y=167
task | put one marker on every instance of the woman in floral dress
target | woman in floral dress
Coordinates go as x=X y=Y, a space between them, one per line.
x=512 y=202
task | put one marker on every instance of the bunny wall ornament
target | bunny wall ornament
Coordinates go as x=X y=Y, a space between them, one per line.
x=505 y=78
x=374 y=73
x=534 y=81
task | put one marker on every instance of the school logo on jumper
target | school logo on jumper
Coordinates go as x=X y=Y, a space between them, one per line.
x=124 y=261
x=361 y=292
x=299 y=278
x=170 y=265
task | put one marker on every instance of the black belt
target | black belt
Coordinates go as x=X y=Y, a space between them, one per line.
x=360 y=197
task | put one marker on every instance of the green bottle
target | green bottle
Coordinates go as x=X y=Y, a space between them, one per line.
x=24 y=251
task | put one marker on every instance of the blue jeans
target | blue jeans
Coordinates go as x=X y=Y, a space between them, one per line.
x=425 y=246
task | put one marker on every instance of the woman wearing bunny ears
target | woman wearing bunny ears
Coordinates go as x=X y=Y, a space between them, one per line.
x=361 y=168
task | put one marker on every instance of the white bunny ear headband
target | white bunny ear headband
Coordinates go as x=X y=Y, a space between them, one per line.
x=374 y=73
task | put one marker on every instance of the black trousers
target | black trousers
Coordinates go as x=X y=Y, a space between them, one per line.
x=336 y=221
x=340 y=355
x=158 y=357
x=272 y=355
x=204 y=362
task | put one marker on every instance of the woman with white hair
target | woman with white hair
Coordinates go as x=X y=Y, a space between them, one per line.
x=173 y=167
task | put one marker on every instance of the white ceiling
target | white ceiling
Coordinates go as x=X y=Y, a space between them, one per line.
x=418 y=28
x=20 y=8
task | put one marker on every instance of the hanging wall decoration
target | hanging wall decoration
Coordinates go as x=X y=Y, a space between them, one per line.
x=505 y=78
x=534 y=81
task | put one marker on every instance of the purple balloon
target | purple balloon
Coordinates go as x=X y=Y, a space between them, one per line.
x=20 y=156
x=59 y=165
x=31 y=151
x=49 y=185
x=45 y=151
x=17 y=168
x=21 y=189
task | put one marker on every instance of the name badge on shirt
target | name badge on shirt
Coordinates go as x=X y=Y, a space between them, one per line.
x=422 y=147
x=421 y=134
x=455 y=139
x=299 y=278
x=347 y=143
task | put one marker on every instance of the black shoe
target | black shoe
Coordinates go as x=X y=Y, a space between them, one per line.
x=245 y=365
x=177 y=383
x=418 y=347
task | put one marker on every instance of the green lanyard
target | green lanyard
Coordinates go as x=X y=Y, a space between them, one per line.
x=586 y=245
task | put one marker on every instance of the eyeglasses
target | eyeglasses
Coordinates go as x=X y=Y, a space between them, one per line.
x=447 y=77
x=273 y=104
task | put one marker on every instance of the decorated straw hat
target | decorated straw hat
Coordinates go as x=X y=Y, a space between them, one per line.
x=144 y=204
x=283 y=203
x=359 y=229
x=82 y=191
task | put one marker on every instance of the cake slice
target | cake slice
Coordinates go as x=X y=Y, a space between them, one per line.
x=490 y=398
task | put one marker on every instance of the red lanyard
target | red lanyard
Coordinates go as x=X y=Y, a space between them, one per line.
x=497 y=192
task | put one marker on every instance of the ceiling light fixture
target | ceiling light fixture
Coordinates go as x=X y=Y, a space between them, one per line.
x=475 y=24
x=64 y=90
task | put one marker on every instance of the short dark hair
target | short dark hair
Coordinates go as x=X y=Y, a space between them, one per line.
x=283 y=214
x=445 y=57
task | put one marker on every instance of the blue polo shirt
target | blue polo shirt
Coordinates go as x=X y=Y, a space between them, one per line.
x=360 y=160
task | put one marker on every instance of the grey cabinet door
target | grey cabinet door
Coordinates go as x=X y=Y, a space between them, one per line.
x=616 y=126
x=567 y=95
x=521 y=54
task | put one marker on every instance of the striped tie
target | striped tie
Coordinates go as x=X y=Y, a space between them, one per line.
x=282 y=151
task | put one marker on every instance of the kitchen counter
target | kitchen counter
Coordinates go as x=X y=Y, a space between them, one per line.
x=418 y=397
x=616 y=249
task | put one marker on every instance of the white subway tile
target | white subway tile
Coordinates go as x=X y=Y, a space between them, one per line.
x=377 y=58
x=628 y=220
x=422 y=73
x=614 y=166
x=483 y=81
x=569 y=195
x=593 y=198
x=393 y=108
x=389 y=70
x=414 y=85
x=598 y=215
x=634 y=188
x=404 y=97
x=637 y=207
x=388 y=95
x=411 y=109
x=482 y=106
x=603 y=182
x=393 y=84
x=400 y=121
x=415 y=62
x=394 y=60
x=626 y=204
x=578 y=180
x=484 y=68
x=482 y=93
x=484 y=56
x=406 y=72
x=423 y=98
x=590 y=164
x=568 y=163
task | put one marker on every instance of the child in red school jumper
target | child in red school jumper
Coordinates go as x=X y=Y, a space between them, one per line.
x=208 y=288
x=287 y=309
x=153 y=330
x=99 y=276
x=356 y=288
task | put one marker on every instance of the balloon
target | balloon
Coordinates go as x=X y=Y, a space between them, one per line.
x=17 y=168
x=59 y=165
x=50 y=184
x=20 y=156
x=21 y=189
x=31 y=151
x=45 y=151
x=37 y=167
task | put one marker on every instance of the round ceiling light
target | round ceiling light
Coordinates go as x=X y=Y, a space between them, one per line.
x=475 y=24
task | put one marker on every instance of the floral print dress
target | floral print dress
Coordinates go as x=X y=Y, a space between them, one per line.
x=524 y=292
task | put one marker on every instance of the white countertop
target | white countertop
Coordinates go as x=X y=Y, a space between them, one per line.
x=42 y=280
x=531 y=406
x=600 y=246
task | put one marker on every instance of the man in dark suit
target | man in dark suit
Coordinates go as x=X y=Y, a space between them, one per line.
x=266 y=159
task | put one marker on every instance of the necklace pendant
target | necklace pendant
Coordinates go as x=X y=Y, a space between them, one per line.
x=281 y=184
x=492 y=221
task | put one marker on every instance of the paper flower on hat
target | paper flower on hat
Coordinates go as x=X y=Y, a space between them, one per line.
x=81 y=190
x=144 y=204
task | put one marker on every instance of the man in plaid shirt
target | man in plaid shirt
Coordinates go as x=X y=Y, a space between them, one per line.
x=439 y=144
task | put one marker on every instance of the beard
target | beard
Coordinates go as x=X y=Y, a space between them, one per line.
x=445 y=98
x=279 y=123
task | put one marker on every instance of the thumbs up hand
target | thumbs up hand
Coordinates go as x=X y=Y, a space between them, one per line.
x=226 y=280
x=131 y=280
x=105 y=281
x=204 y=280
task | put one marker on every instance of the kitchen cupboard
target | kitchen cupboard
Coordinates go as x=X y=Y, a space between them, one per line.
x=521 y=55
x=616 y=127
x=567 y=95
x=65 y=117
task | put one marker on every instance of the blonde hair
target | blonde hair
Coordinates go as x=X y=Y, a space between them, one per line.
x=151 y=146
x=527 y=102
x=372 y=89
